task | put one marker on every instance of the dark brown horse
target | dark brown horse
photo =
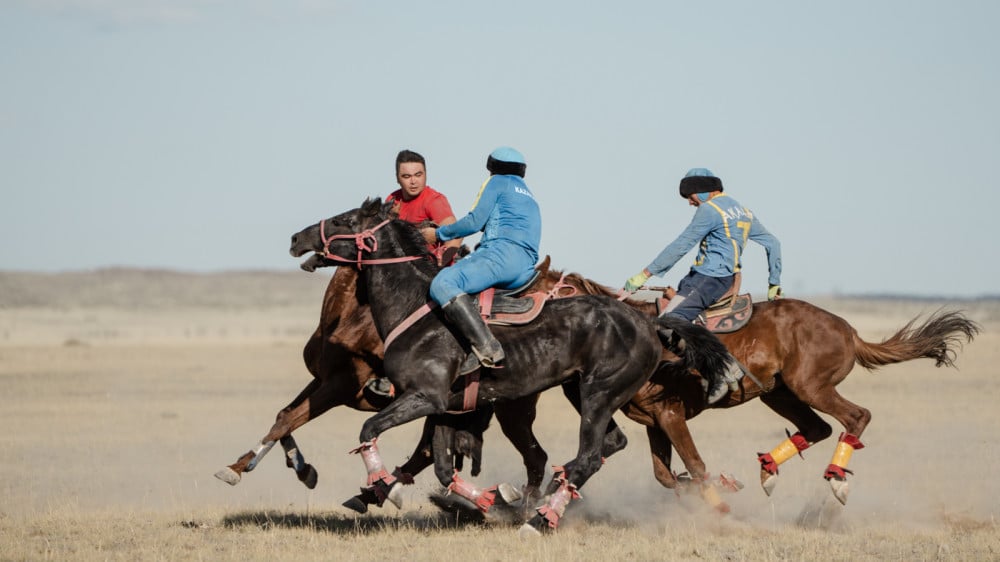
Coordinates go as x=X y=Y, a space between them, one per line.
x=608 y=350
x=342 y=354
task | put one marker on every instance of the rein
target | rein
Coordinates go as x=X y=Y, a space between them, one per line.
x=361 y=240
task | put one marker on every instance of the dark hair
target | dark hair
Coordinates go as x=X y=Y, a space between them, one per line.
x=501 y=168
x=405 y=156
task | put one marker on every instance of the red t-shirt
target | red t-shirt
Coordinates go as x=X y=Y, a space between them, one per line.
x=429 y=205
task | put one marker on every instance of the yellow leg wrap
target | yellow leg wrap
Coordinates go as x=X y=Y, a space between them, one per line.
x=784 y=451
x=842 y=454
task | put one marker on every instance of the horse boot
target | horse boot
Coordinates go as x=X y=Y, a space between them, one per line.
x=486 y=350
x=727 y=382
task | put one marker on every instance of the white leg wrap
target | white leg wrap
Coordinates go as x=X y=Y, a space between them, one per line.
x=258 y=453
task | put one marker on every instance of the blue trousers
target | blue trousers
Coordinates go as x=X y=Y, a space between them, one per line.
x=502 y=265
x=697 y=292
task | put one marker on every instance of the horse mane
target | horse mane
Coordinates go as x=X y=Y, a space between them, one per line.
x=590 y=287
x=412 y=241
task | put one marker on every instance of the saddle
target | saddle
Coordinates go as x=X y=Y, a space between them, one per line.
x=730 y=313
x=507 y=307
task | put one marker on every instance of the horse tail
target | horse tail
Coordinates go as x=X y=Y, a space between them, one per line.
x=938 y=338
x=699 y=348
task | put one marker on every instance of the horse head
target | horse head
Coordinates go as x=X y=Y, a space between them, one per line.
x=354 y=237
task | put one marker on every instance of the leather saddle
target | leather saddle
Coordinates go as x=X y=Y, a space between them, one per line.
x=511 y=307
x=730 y=313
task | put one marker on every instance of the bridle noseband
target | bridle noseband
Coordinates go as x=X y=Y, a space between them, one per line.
x=361 y=240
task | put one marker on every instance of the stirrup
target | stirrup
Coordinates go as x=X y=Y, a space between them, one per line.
x=379 y=392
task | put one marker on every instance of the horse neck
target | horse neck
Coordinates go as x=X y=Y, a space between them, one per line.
x=395 y=290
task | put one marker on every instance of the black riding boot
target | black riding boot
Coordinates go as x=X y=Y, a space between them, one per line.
x=462 y=314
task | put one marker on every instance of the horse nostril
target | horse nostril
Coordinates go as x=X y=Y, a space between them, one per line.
x=295 y=239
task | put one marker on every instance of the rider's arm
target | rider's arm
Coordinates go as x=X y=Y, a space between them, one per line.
x=700 y=226
x=477 y=217
x=772 y=246
x=440 y=212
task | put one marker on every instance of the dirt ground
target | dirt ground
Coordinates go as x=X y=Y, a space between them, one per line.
x=121 y=404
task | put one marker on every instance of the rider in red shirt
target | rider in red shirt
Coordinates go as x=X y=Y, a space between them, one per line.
x=418 y=201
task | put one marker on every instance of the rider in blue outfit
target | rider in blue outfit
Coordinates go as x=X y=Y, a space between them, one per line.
x=720 y=228
x=506 y=212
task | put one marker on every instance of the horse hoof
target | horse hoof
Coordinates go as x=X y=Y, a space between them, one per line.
x=229 y=476
x=509 y=494
x=395 y=495
x=768 y=481
x=355 y=504
x=840 y=490
x=728 y=483
x=309 y=477
x=527 y=532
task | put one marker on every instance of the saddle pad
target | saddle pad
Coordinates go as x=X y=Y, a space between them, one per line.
x=728 y=319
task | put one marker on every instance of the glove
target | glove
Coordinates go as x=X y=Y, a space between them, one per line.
x=636 y=281
x=773 y=292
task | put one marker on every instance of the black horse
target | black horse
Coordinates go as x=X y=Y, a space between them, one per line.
x=606 y=348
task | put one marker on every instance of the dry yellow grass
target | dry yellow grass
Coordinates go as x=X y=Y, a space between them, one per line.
x=116 y=417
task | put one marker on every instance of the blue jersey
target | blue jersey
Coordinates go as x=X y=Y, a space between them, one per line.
x=720 y=228
x=505 y=211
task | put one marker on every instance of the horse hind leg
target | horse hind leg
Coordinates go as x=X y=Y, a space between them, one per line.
x=811 y=429
x=855 y=419
x=288 y=419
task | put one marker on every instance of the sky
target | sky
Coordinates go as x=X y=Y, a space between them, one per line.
x=199 y=135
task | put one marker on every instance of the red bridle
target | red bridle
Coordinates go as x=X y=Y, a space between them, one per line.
x=361 y=241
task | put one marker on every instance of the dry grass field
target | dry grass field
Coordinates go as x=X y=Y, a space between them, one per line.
x=122 y=392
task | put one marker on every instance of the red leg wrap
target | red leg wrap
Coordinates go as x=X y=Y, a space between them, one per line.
x=767 y=463
x=851 y=440
x=836 y=472
x=799 y=441
x=553 y=510
x=483 y=499
x=379 y=479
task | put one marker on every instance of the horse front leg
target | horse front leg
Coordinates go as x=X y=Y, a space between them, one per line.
x=405 y=408
x=290 y=418
x=673 y=431
x=594 y=420
x=422 y=457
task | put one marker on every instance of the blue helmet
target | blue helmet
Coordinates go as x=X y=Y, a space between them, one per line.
x=506 y=161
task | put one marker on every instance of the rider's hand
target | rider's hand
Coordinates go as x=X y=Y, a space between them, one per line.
x=636 y=281
x=430 y=234
x=773 y=292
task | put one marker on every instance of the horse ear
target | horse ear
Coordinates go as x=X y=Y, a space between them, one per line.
x=543 y=266
x=391 y=209
x=371 y=207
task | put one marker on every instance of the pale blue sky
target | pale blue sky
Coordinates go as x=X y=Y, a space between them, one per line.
x=200 y=134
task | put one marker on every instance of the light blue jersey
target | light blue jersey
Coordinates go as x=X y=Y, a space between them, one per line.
x=505 y=209
x=721 y=228
x=506 y=212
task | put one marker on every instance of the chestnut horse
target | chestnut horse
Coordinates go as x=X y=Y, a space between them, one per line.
x=797 y=353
